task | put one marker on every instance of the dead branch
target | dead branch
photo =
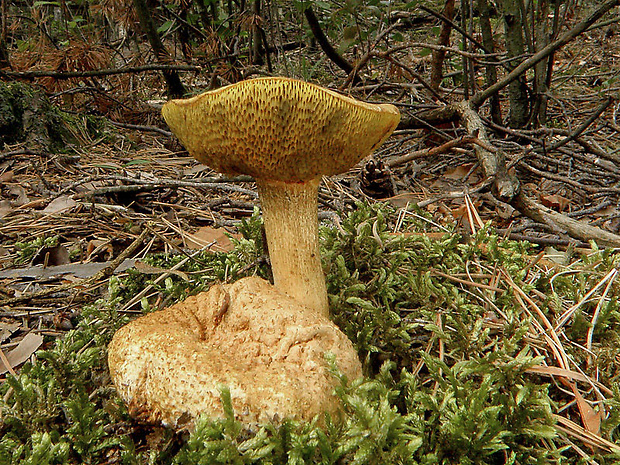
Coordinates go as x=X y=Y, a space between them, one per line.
x=493 y=163
x=98 y=72
x=323 y=41
x=565 y=224
x=137 y=183
x=583 y=126
x=527 y=135
x=367 y=56
x=443 y=148
x=447 y=20
x=507 y=187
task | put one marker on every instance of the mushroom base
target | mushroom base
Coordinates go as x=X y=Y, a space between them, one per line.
x=268 y=349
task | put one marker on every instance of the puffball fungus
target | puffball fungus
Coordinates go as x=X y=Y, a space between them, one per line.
x=267 y=348
x=287 y=134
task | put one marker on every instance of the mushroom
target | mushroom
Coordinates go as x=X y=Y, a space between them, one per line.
x=287 y=134
x=268 y=349
x=266 y=343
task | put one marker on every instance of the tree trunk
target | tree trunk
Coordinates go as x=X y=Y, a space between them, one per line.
x=4 y=52
x=438 y=56
x=484 y=10
x=515 y=47
x=467 y=82
x=257 y=48
x=174 y=86
x=4 y=55
x=542 y=69
x=183 y=33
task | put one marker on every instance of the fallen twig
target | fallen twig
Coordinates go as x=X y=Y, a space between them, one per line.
x=101 y=275
x=443 y=148
x=563 y=223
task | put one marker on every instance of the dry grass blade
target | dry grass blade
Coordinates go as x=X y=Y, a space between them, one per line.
x=160 y=278
x=570 y=312
x=612 y=277
x=549 y=333
x=568 y=374
x=472 y=215
x=572 y=429
x=7 y=364
x=466 y=282
x=590 y=418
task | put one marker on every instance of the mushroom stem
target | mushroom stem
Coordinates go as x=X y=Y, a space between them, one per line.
x=292 y=229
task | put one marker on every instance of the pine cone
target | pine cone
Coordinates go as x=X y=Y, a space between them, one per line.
x=376 y=180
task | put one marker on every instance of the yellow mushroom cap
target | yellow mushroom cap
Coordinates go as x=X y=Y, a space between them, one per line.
x=279 y=129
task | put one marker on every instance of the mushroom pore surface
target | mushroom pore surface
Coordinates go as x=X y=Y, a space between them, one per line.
x=279 y=129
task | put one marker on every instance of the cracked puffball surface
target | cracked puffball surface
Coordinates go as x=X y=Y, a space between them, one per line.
x=268 y=349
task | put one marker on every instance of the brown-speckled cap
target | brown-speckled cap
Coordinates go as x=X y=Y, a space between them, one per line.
x=279 y=129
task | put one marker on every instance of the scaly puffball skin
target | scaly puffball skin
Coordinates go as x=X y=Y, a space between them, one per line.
x=268 y=349
x=279 y=129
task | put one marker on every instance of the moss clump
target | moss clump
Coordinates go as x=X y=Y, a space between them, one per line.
x=453 y=351
x=27 y=115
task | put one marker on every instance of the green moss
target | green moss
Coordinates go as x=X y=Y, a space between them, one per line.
x=443 y=385
x=27 y=115
x=28 y=249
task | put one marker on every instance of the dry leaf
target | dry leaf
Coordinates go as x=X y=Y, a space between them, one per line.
x=7 y=176
x=560 y=257
x=403 y=200
x=98 y=246
x=20 y=193
x=459 y=172
x=5 y=208
x=24 y=350
x=52 y=256
x=6 y=329
x=208 y=235
x=62 y=203
x=460 y=214
x=555 y=202
x=590 y=418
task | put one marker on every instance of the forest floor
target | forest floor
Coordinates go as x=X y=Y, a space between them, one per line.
x=127 y=189
x=86 y=203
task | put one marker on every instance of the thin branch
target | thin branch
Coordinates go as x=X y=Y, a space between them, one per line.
x=367 y=56
x=443 y=148
x=84 y=283
x=99 y=72
x=583 y=126
x=480 y=97
x=455 y=26
x=323 y=41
